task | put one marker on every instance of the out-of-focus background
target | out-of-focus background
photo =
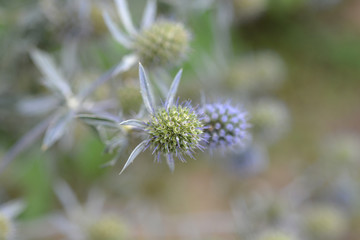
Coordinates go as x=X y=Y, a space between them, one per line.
x=294 y=65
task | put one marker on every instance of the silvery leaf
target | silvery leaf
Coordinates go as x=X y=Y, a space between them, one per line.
x=51 y=74
x=134 y=154
x=149 y=14
x=98 y=120
x=173 y=89
x=146 y=91
x=57 y=129
x=134 y=123
x=12 y=209
x=115 y=31
x=125 y=16
x=33 y=106
x=67 y=197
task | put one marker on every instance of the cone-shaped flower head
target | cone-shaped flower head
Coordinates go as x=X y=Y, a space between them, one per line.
x=108 y=228
x=175 y=131
x=276 y=235
x=163 y=43
x=224 y=125
x=172 y=129
x=156 y=43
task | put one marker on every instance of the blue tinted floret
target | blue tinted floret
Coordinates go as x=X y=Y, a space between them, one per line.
x=224 y=124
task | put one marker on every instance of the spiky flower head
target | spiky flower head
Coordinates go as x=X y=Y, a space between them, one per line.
x=325 y=222
x=175 y=131
x=276 y=235
x=108 y=228
x=163 y=43
x=224 y=125
x=172 y=129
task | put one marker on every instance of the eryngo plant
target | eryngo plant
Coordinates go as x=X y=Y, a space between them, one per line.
x=156 y=43
x=172 y=129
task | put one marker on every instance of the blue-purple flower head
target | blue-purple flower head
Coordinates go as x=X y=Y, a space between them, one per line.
x=175 y=131
x=224 y=125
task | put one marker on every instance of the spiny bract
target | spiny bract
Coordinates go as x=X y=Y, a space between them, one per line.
x=225 y=125
x=163 y=43
x=177 y=131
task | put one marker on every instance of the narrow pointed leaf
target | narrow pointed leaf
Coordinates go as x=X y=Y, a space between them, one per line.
x=149 y=14
x=117 y=34
x=35 y=106
x=173 y=89
x=57 y=129
x=98 y=120
x=51 y=74
x=134 y=154
x=145 y=90
x=134 y=123
x=124 y=13
x=66 y=196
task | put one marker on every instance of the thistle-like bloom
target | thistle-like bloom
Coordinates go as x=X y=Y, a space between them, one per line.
x=173 y=129
x=224 y=125
x=158 y=43
x=8 y=212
